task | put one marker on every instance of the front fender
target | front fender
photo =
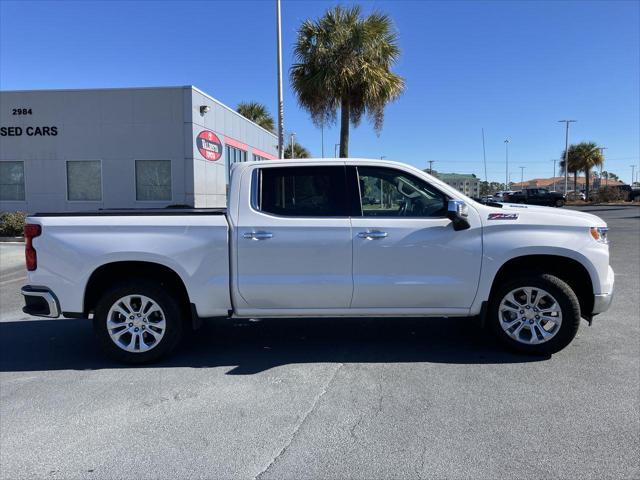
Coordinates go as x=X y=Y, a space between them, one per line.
x=499 y=248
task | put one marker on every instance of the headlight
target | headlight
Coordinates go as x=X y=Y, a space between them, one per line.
x=599 y=234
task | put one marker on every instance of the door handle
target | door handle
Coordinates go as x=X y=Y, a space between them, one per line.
x=257 y=235
x=373 y=235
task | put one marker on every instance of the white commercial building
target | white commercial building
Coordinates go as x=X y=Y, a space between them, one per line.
x=66 y=150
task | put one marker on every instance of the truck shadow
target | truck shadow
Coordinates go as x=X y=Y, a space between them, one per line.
x=253 y=346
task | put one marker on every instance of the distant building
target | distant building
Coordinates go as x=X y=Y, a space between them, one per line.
x=557 y=183
x=65 y=150
x=468 y=184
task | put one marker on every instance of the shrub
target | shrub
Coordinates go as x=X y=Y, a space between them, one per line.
x=12 y=224
x=609 y=194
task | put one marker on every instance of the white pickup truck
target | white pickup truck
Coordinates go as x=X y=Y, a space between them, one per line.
x=312 y=238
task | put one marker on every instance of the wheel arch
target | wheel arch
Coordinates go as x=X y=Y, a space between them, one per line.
x=106 y=275
x=569 y=270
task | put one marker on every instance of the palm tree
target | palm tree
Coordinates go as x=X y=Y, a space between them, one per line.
x=574 y=165
x=343 y=61
x=298 y=151
x=256 y=112
x=583 y=157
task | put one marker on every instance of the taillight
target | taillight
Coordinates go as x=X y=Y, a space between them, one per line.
x=30 y=232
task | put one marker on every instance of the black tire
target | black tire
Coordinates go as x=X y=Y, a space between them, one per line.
x=562 y=293
x=559 y=203
x=165 y=299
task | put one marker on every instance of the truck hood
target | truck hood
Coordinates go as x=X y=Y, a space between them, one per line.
x=534 y=214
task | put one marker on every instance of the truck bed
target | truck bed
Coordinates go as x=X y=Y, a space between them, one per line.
x=146 y=212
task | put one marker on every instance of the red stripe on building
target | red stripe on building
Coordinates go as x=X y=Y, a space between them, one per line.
x=235 y=143
x=266 y=155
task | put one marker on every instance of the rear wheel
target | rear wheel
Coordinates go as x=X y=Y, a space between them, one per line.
x=559 y=203
x=138 y=322
x=536 y=313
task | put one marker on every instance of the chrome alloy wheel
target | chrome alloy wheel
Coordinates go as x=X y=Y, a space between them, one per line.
x=530 y=315
x=136 y=323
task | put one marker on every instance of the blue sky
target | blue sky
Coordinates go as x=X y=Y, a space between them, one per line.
x=512 y=68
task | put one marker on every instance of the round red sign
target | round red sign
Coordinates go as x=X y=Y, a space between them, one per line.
x=209 y=145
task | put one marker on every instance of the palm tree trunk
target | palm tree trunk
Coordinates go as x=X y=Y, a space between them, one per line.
x=575 y=181
x=344 y=128
x=586 y=183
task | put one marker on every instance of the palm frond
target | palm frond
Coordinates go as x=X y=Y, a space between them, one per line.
x=256 y=112
x=342 y=56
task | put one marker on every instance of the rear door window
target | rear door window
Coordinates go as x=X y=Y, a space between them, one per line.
x=303 y=191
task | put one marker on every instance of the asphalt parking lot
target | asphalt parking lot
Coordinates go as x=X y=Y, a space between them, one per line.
x=379 y=398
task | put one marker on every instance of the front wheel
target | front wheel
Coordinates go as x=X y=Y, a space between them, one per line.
x=559 y=203
x=137 y=322
x=537 y=313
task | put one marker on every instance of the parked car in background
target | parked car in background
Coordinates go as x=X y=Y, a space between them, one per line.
x=573 y=196
x=297 y=240
x=536 y=196
x=500 y=196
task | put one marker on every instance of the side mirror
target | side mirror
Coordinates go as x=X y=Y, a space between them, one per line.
x=457 y=212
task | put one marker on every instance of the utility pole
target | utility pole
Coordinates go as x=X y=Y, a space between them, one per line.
x=484 y=157
x=566 y=154
x=633 y=169
x=280 y=101
x=522 y=177
x=293 y=139
x=335 y=150
x=506 y=175
x=430 y=166
x=554 y=174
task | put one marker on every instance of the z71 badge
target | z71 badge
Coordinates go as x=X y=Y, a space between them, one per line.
x=503 y=216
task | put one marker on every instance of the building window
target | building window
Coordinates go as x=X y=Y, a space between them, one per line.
x=234 y=155
x=258 y=158
x=153 y=180
x=84 y=181
x=12 y=181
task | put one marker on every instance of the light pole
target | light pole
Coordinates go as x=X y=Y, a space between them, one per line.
x=554 y=174
x=522 y=177
x=431 y=166
x=280 y=101
x=335 y=150
x=322 y=137
x=293 y=139
x=506 y=174
x=633 y=169
x=484 y=158
x=566 y=154
x=602 y=149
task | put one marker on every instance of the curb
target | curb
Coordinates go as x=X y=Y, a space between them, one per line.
x=623 y=204
x=11 y=239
